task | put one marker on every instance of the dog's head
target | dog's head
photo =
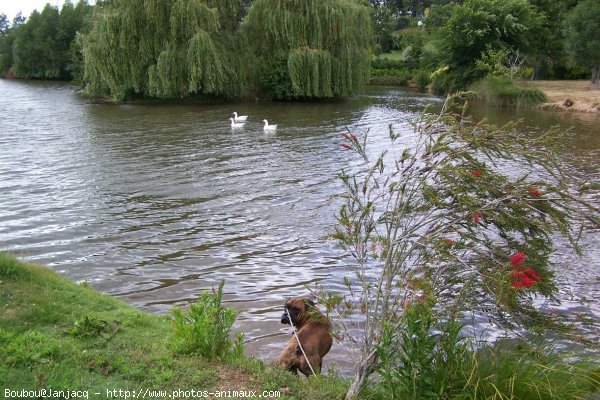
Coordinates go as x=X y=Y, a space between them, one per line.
x=297 y=309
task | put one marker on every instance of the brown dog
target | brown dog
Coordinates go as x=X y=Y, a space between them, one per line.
x=313 y=330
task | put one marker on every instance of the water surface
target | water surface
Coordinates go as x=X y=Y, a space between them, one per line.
x=154 y=203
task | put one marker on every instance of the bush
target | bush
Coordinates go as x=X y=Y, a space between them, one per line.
x=446 y=221
x=386 y=63
x=205 y=329
x=422 y=79
x=501 y=91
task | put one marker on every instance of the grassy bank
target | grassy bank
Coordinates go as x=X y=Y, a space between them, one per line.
x=55 y=334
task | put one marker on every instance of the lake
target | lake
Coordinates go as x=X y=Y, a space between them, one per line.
x=154 y=203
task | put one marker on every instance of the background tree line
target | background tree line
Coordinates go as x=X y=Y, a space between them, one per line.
x=461 y=41
x=42 y=46
x=297 y=49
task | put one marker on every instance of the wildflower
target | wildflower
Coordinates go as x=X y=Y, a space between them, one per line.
x=354 y=138
x=517 y=259
x=345 y=135
x=477 y=217
x=535 y=192
x=346 y=146
x=476 y=173
x=525 y=279
x=448 y=242
x=532 y=274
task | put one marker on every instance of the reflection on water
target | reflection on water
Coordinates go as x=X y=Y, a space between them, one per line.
x=155 y=203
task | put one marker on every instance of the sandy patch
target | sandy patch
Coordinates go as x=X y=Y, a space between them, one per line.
x=569 y=95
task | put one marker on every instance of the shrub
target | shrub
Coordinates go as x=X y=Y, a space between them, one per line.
x=450 y=214
x=205 y=328
x=422 y=79
x=386 y=63
x=501 y=91
x=391 y=76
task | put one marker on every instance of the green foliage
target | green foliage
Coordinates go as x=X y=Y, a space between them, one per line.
x=478 y=26
x=38 y=307
x=9 y=266
x=89 y=326
x=205 y=329
x=441 y=210
x=384 y=62
x=418 y=364
x=520 y=370
x=164 y=49
x=27 y=349
x=322 y=43
x=583 y=36
x=273 y=78
x=422 y=79
x=501 y=91
x=40 y=47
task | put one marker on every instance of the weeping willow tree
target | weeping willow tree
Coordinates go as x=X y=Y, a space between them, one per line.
x=164 y=49
x=309 y=48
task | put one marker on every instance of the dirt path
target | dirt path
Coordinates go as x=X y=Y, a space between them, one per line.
x=569 y=95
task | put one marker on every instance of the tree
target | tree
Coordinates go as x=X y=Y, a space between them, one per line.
x=40 y=47
x=437 y=219
x=309 y=48
x=4 y=25
x=164 y=49
x=583 y=36
x=482 y=25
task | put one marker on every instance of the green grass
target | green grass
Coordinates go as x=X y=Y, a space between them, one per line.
x=502 y=92
x=55 y=334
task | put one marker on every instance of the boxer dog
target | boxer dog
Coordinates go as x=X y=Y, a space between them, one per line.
x=313 y=330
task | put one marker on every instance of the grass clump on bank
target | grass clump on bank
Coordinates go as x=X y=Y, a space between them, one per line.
x=432 y=360
x=501 y=91
x=59 y=335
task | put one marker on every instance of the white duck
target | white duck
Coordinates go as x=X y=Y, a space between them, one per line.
x=269 y=127
x=236 y=124
x=241 y=118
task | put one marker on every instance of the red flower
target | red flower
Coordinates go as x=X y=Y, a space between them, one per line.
x=527 y=282
x=517 y=259
x=535 y=192
x=532 y=274
x=477 y=217
x=525 y=279
x=354 y=138
x=476 y=173
x=346 y=146
x=447 y=242
x=517 y=283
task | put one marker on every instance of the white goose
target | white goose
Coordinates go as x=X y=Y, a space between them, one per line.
x=236 y=124
x=269 y=127
x=241 y=118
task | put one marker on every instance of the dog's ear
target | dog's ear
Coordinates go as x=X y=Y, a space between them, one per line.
x=286 y=301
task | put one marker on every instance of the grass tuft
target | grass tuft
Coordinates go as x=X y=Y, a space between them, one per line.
x=502 y=92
